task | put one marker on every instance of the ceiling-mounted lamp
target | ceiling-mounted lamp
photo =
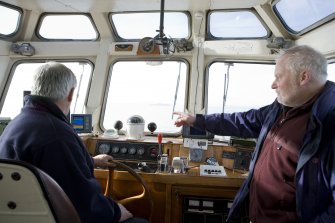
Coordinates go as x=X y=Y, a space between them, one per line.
x=277 y=43
x=24 y=49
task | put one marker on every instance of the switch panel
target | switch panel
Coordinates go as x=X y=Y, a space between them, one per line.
x=212 y=171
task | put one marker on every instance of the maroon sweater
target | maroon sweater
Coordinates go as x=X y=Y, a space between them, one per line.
x=272 y=189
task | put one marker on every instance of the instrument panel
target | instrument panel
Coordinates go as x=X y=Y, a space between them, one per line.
x=128 y=151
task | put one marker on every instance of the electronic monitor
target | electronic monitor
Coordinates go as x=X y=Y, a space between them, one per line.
x=82 y=123
x=3 y=123
x=195 y=133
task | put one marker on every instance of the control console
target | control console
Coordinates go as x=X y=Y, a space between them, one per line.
x=130 y=153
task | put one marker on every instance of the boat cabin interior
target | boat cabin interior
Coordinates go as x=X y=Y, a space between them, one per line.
x=139 y=61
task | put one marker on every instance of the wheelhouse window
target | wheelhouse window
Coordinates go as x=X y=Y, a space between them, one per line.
x=67 y=27
x=235 y=25
x=151 y=89
x=146 y=24
x=238 y=87
x=331 y=72
x=300 y=16
x=247 y=86
x=22 y=79
x=10 y=18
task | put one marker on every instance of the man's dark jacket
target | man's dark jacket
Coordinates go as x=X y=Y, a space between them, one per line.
x=315 y=174
x=41 y=135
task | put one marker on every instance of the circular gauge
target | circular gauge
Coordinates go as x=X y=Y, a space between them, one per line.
x=115 y=149
x=140 y=151
x=132 y=150
x=146 y=45
x=104 y=148
x=124 y=150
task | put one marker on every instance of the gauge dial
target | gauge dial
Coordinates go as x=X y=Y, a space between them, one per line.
x=115 y=149
x=140 y=151
x=124 y=150
x=104 y=148
x=132 y=150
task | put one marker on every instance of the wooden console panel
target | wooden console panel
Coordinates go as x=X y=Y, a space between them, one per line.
x=169 y=189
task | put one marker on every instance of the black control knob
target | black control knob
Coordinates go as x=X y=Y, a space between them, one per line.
x=118 y=125
x=152 y=127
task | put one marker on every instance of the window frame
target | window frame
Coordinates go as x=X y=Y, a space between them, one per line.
x=120 y=39
x=108 y=81
x=209 y=36
x=19 y=22
x=9 y=79
x=207 y=76
x=45 y=14
x=331 y=61
x=305 y=30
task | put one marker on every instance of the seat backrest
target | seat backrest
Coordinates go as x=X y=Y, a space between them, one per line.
x=27 y=194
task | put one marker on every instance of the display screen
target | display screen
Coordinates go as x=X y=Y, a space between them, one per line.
x=191 y=132
x=3 y=123
x=82 y=123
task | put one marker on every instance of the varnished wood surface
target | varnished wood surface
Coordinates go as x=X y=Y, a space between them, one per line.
x=231 y=180
x=169 y=189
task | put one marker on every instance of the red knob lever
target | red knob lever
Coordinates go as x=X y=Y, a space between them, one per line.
x=159 y=137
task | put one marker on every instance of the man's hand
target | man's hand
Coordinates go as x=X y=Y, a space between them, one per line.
x=184 y=119
x=125 y=214
x=102 y=160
